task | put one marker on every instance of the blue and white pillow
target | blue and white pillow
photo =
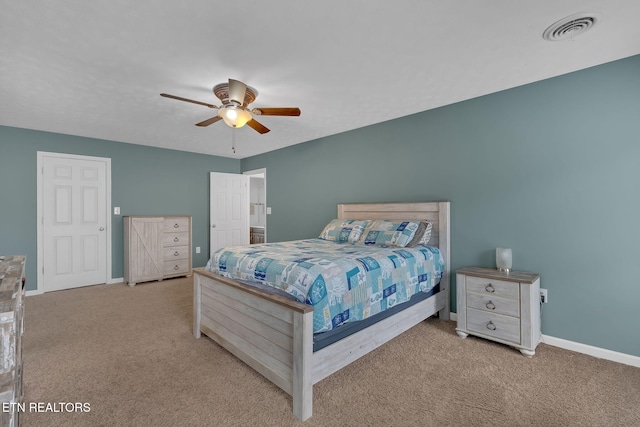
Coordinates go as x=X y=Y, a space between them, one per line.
x=343 y=230
x=388 y=233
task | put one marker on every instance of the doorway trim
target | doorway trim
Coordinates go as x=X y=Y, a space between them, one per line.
x=40 y=213
x=261 y=171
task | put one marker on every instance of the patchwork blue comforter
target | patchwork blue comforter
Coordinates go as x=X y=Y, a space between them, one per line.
x=343 y=282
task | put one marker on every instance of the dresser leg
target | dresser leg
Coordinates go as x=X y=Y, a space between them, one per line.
x=528 y=353
x=461 y=334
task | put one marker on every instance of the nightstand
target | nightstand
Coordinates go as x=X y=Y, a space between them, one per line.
x=503 y=307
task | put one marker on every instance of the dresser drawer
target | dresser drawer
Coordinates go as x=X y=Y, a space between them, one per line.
x=176 y=267
x=175 y=252
x=493 y=304
x=494 y=325
x=175 y=239
x=492 y=287
x=175 y=224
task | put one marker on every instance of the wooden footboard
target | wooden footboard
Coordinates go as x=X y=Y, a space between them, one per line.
x=272 y=334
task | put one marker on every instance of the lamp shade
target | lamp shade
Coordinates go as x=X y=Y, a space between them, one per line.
x=233 y=116
x=504 y=259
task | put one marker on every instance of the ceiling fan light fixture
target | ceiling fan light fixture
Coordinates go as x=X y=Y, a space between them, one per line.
x=234 y=116
x=235 y=112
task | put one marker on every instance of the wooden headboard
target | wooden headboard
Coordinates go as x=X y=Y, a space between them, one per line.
x=436 y=212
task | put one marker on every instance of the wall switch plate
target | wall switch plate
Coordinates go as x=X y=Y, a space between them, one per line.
x=197 y=249
x=268 y=210
x=116 y=211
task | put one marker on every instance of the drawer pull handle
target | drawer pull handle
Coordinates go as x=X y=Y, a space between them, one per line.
x=176 y=226
x=491 y=326
x=489 y=288
x=491 y=306
x=176 y=253
x=178 y=268
x=175 y=239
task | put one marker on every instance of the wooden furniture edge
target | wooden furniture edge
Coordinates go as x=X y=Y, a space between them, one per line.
x=444 y=239
x=293 y=305
x=302 y=390
x=12 y=280
x=488 y=273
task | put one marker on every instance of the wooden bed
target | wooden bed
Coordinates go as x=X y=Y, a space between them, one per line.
x=274 y=335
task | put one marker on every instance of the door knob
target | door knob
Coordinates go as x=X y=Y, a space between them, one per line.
x=101 y=228
x=213 y=226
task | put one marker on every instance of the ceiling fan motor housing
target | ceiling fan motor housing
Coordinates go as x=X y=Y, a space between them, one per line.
x=221 y=91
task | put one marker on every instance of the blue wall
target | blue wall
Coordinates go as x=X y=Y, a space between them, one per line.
x=144 y=181
x=549 y=169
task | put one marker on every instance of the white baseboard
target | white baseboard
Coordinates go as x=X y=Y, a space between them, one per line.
x=600 y=353
x=39 y=292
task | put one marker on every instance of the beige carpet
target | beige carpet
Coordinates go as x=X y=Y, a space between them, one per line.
x=130 y=354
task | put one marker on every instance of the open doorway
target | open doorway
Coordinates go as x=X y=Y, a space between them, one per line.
x=257 y=206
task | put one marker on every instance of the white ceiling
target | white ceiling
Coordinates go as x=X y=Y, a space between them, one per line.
x=97 y=68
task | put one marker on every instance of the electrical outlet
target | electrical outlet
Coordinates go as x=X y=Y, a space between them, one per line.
x=116 y=211
x=544 y=296
x=197 y=249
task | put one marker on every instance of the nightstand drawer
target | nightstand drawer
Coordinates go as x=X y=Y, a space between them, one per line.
x=175 y=252
x=494 y=304
x=493 y=287
x=176 y=267
x=494 y=325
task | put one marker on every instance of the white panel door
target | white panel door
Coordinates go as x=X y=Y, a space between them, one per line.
x=229 y=210
x=74 y=222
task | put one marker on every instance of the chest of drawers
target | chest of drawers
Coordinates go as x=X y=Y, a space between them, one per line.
x=503 y=307
x=156 y=247
x=176 y=243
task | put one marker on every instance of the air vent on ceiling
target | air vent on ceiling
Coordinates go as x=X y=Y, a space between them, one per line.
x=570 y=27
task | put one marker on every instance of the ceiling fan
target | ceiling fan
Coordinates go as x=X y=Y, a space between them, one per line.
x=236 y=97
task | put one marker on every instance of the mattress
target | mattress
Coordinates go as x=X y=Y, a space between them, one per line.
x=343 y=282
x=324 y=339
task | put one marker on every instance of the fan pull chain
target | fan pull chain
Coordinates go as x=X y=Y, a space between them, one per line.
x=233 y=140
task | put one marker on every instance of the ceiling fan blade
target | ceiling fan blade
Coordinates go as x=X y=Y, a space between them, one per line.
x=210 y=121
x=237 y=91
x=166 y=95
x=277 y=111
x=257 y=126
